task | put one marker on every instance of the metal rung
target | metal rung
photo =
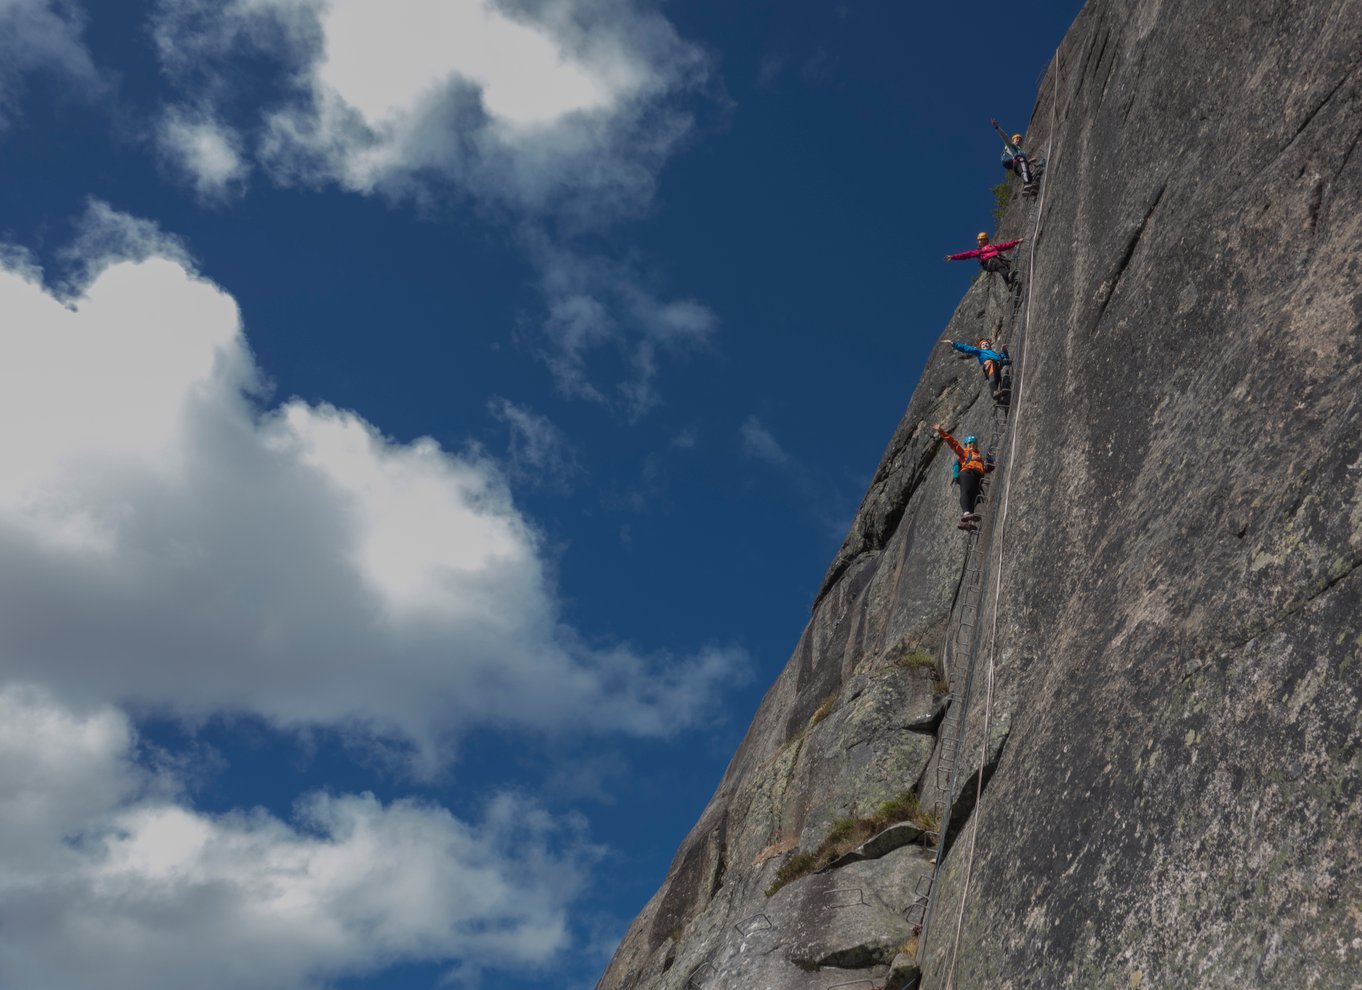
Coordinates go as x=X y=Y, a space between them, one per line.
x=859 y=901
x=924 y=885
x=918 y=907
x=754 y=924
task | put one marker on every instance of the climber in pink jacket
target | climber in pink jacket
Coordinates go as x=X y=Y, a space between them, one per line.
x=990 y=257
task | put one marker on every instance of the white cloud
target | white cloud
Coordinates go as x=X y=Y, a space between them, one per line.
x=535 y=104
x=556 y=113
x=206 y=151
x=108 y=877
x=595 y=303
x=526 y=78
x=164 y=542
x=41 y=35
x=539 y=455
x=757 y=442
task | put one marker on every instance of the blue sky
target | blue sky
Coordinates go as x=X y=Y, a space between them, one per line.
x=426 y=426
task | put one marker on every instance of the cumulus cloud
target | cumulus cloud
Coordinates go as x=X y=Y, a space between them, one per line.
x=109 y=877
x=205 y=151
x=40 y=36
x=758 y=443
x=167 y=542
x=538 y=104
x=552 y=114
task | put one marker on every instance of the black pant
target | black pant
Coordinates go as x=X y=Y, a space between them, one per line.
x=996 y=378
x=970 y=482
x=997 y=264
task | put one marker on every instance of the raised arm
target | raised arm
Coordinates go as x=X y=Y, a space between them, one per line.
x=1001 y=133
x=951 y=442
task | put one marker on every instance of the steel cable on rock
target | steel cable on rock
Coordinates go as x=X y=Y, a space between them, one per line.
x=1002 y=543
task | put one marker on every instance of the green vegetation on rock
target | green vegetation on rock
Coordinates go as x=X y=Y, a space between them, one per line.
x=848 y=833
x=1002 y=195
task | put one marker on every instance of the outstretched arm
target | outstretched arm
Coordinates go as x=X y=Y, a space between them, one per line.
x=962 y=256
x=951 y=442
x=1008 y=245
x=967 y=349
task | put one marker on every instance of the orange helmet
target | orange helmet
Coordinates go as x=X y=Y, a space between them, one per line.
x=1016 y=139
x=982 y=237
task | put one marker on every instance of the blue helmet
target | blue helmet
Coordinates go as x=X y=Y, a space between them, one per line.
x=971 y=439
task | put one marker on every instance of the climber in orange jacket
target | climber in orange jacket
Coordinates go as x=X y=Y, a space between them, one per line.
x=973 y=466
x=990 y=257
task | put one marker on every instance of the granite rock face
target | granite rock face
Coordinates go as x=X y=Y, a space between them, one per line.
x=1169 y=719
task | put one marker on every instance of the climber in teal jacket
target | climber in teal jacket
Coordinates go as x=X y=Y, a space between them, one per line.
x=992 y=361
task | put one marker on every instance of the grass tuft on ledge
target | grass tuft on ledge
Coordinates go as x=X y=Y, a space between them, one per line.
x=848 y=833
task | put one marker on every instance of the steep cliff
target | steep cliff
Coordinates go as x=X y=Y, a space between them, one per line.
x=1158 y=664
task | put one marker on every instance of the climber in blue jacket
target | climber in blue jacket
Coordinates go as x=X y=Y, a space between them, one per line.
x=992 y=361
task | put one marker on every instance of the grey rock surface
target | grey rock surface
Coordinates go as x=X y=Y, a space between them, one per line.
x=1166 y=729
